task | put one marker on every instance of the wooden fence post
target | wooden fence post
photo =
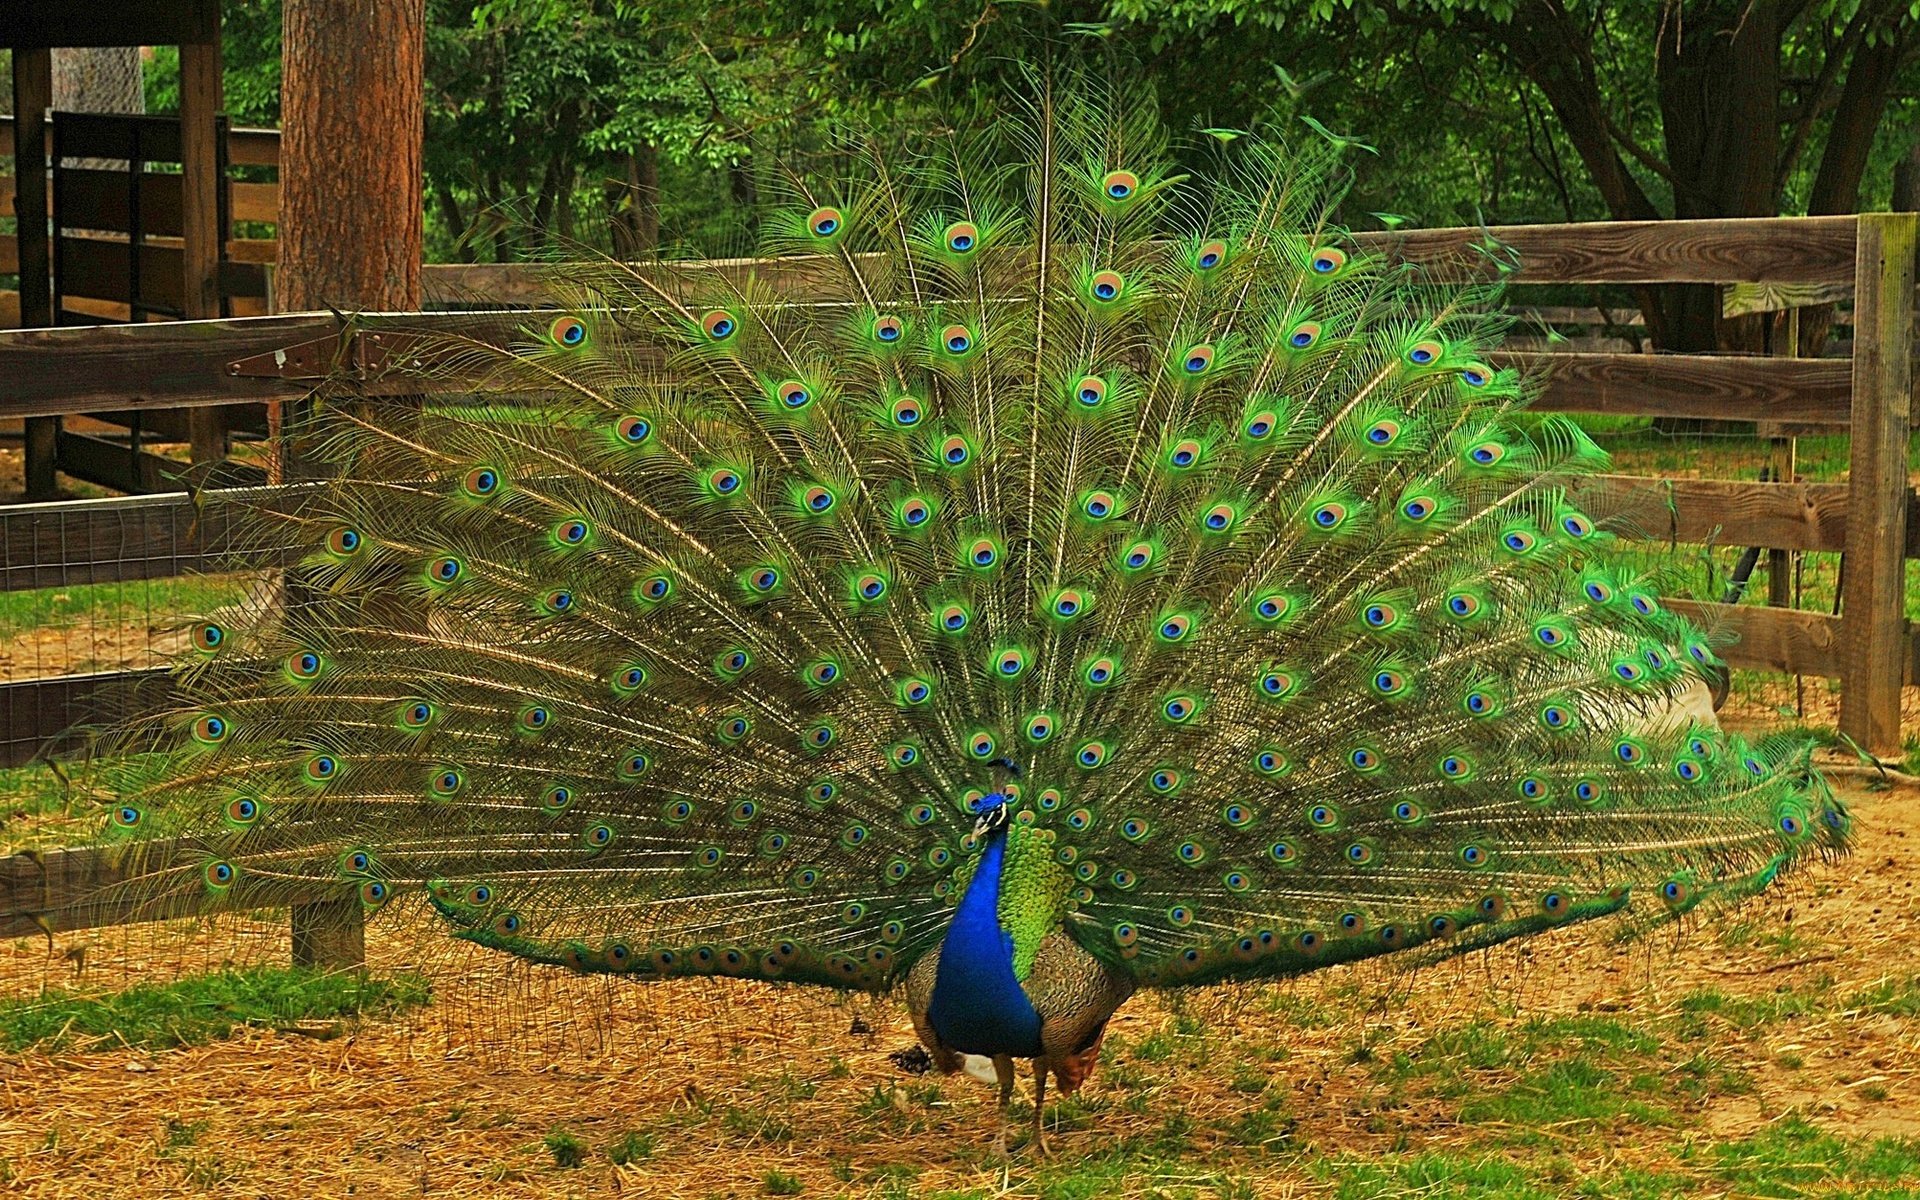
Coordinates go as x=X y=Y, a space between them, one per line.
x=1873 y=600
x=330 y=934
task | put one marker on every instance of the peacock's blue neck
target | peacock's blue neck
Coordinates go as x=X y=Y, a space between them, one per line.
x=978 y=1005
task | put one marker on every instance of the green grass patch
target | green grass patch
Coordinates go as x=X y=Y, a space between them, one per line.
x=191 y=1012
x=139 y=601
x=1793 y=1157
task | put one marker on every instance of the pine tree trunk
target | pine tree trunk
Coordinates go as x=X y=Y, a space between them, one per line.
x=353 y=103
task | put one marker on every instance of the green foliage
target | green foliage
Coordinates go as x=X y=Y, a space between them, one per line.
x=630 y=1147
x=191 y=1012
x=568 y=1151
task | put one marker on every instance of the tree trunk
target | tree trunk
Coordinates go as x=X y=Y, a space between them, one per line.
x=1718 y=74
x=352 y=105
x=635 y=205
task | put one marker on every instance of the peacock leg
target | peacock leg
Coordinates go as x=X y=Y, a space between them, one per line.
x=1003 y=1070
x=1039 y=1143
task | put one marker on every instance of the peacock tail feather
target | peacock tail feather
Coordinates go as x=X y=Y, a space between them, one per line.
x=684 y=629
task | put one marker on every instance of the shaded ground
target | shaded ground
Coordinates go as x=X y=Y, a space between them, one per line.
x=1773 y=1054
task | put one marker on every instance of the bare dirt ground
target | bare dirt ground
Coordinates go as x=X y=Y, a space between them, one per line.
x=748 y=1090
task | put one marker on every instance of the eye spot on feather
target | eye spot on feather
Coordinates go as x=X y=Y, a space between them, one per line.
x=957 y=339
x=1327 y=260
x=1304 y=335
x=1120 y=185
x=719 y=325
x=955 y=452
x=1197 y=359
x=906 y=412
x=961 y=237
x=1210 y=255
x=1475 y=375
x=793 y=395
x=1425 y=353
x=1106 y=286
x=570 y=332
x=888 y=329
x=824 y=222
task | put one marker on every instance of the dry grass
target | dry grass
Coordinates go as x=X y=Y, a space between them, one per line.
x=730 y=1089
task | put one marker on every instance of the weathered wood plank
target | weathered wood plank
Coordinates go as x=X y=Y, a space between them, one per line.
x=1790 y=516
x=88 y=887
x=1734 y=250
x=1788 y=640
x=40 y=717
x=1873 y=598
x=97 y=460
x=185 y=363
x=1715 y=387
x=136 y=537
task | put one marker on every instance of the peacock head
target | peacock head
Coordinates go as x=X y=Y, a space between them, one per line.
x=992 y=815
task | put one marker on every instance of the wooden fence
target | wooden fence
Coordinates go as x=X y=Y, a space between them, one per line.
x=1868 y=646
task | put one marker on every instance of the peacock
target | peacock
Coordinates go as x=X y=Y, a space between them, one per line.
x=1064 y=562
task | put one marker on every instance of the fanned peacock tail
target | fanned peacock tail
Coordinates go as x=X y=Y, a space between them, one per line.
x=684 y=631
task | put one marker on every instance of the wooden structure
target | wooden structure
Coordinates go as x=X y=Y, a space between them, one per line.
x=1869 y=646
x=31 y=32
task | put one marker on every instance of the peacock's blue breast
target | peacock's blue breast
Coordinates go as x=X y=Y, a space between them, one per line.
x=978 y=1005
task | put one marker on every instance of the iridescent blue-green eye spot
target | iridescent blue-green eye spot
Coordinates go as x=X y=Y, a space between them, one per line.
x=654 y=589
x=1283 y=852
x=1424 y=352
x=1486 y=454
x=1475 y=376
x=1586 y=791
x=1791 y=825
x=1304 y=335
x=322 y=767
x=1688 y=770
x=1197 y=359
x=1184 y=454
x=1551 y=636
x=981 y=745
x=1533 y=788
x=1190 y=852
x=1556 y=716
x=1237 y=815
x=557 y=602
x=958 y=339
x=822 y=791
x=630 y=679
x=1124 y=934
x=1643 y=604
x=920 y=814
x=634 y=431
x=1352 y=922
x=677 y=811
x=1754 y=767
x=1175 y=628
x=1079 y=820
x=1389 y=683
x=1419 y=508
x=557 y=797
x=1269 y=762
x=1406 y=811
x=1479 y=703
x=573 y=532
x=480 y=482
x=1360 y=854
x=1039 y=729
x=1363 y=759
x=444 y=570
x=598 y=836
x=211 y=729
x=209 y=636
x=1517 y=541
x=1630 y=753
x=1455 y=766
x=1134 y=829
x=1165 y=781
x=1211 y=255
x=1179 y=708
x=1322 y=816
